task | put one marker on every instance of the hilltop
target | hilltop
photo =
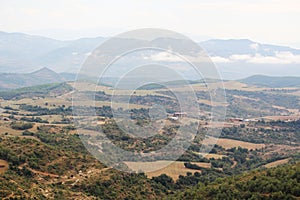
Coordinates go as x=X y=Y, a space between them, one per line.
x=39 y=77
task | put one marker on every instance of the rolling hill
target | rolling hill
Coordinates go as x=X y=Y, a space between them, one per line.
x=227 y=48
x=17 y=80
x=42 y=76
x=272 y=82
x=37 y=91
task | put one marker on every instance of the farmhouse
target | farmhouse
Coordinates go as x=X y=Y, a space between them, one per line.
x=173 y=118
x=236 y=119
x=180 y=114
x=177 y=115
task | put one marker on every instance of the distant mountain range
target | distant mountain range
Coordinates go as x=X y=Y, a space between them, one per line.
x=272 y=82
x=235 y=59
x=26 y=53
x=228 y=48
x=9 y=81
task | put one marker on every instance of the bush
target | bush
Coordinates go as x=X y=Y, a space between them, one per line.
x=27 y=133
x=21 y=125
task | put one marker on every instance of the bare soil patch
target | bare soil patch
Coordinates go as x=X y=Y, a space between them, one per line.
x=3 y=166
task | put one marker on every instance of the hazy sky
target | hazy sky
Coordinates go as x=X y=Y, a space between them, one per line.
x=266 y=21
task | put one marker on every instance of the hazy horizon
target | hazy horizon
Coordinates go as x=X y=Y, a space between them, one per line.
x=197 y=38
x=267 y=21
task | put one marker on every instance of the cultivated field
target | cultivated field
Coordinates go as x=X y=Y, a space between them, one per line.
x=211 y=155
x=174 y=169
x=277 y=163
x=229 y=143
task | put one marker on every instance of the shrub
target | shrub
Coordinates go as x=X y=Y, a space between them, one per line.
x=21 y=125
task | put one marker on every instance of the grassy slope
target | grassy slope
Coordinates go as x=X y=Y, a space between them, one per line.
x=36 y=91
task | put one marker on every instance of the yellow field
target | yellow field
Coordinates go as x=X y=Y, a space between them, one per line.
x=277 y=163
x=38 y=102
x=66 y=102
x=173 y=169
x=211 y=155
x=229 y=143
x=230 y=85
x=85 y=86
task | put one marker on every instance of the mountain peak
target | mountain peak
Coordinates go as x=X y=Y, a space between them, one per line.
x=47 y=74
x=44 y=70
x=41 y=76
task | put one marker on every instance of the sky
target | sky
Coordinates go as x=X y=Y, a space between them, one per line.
x=264 y=21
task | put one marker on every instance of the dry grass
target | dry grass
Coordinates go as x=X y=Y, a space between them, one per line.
x=278 y=117
x=231 y=85
x=85 y=86
x=5 y=128
x=217 y=125
x=172 y=169
x=66 y=100
x=211 y=155
x=212 y=103
x=229 y=143
x=277 y=163
x=3 y=166
x=118 y=105
x=297 y=93
x=234 y=85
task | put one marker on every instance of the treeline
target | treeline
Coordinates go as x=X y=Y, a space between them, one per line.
x=34 y=119
x=21 y=125
x=282 y=133
x=38 y=110
x=291 y=124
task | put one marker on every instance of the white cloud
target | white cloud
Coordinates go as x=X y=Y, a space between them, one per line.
x=254 y=46
x=218 y=59
x=88 y=54
x=283 y=57
x=279 y=58
x=165 y=56
x=240 y=57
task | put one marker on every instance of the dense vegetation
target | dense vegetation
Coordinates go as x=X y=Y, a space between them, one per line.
x=28 y=157
x=277 y=183
x=265 y=132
